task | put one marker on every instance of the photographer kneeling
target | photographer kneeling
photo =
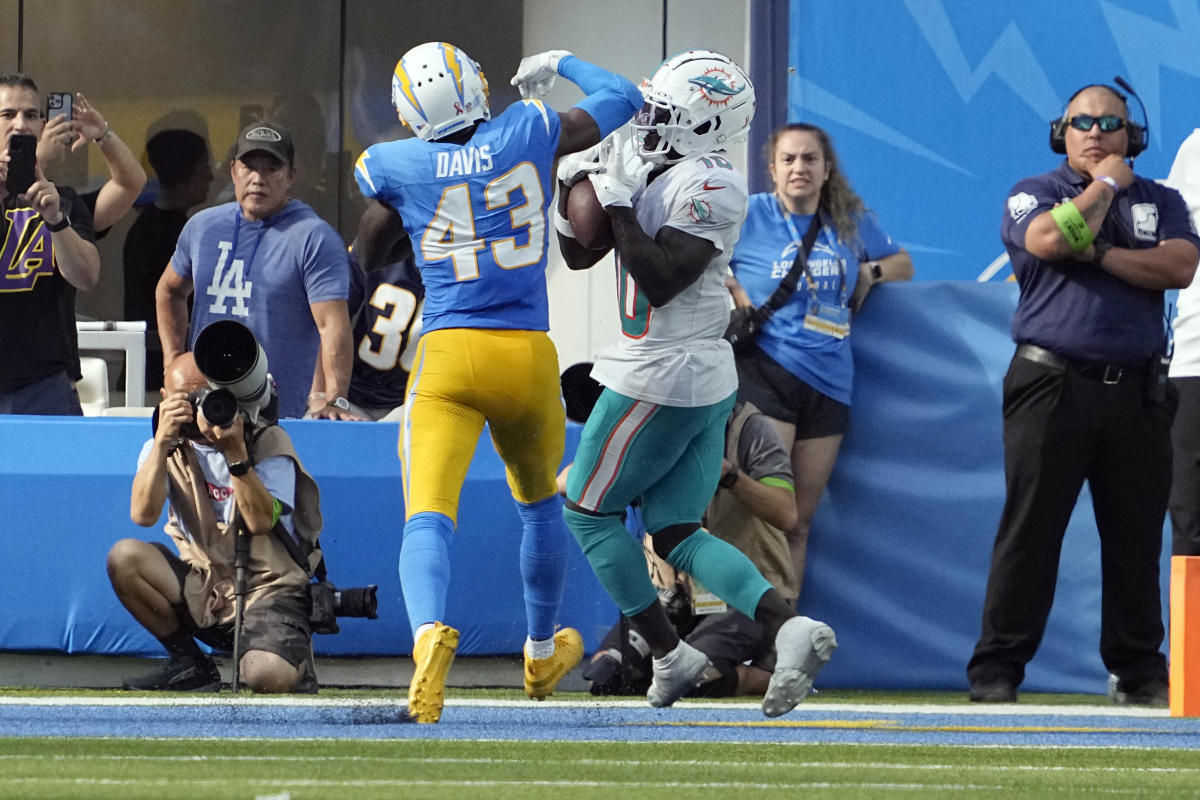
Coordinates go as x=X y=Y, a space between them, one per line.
x=208 y=474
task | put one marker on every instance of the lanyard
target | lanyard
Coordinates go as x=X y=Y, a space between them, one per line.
x=237 y=229
x=812 y=284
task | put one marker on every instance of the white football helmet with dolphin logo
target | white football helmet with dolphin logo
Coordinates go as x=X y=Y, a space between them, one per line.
x=438 y=89
x=696 y=102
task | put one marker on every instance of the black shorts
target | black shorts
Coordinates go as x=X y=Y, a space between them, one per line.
x=729 y=638
x=277 y=623
x=781 y=395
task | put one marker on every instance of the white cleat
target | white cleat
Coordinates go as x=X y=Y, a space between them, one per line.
x=683 y=672
x=802 y=647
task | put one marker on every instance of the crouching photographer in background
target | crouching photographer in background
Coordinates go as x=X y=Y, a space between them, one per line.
x=228 y=475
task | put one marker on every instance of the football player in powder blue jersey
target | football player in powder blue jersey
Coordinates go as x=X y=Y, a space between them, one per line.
x=472 y=192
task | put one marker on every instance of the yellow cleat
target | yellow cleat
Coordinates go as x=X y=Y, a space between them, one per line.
x=543 y=674
x=433 y=654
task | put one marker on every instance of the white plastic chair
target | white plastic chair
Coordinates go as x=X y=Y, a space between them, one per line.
x=93 y=387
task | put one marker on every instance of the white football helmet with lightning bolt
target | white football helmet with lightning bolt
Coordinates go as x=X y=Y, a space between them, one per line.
x=438 y=90
x=697 y=101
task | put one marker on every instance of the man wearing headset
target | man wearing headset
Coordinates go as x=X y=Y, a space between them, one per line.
x=1093 y=248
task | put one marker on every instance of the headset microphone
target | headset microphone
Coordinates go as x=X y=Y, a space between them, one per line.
x=1139 y=135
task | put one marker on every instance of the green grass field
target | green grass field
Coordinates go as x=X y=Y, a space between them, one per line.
x=131 y=769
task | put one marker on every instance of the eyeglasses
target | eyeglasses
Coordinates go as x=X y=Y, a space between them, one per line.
x=1108 y=123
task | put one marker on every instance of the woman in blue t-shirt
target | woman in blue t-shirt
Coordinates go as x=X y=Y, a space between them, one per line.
x=799 y=369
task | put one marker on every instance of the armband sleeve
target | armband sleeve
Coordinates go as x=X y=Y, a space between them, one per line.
x=611 y=99
x=1071 y=223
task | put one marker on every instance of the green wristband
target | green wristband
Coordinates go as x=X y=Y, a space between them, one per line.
x=1071 y=223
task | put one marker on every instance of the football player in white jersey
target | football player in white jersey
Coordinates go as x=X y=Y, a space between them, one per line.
x=657 y=431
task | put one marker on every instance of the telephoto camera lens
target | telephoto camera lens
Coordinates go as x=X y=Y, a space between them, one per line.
x=220 y=407
x=359 y=602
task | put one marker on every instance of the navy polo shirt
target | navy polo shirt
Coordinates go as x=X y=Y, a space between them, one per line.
x=1074 y=308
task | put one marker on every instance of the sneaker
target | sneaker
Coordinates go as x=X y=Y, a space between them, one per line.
x=543 y=674
x=802 y=647
x=177 y=675
x=433 y=653
x=683 y=673
x=1153 y=692
x=993 y=690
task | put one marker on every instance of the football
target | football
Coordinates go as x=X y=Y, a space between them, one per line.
x=589 y=220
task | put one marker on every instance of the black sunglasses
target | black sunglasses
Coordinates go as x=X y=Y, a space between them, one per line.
x=1107 y=123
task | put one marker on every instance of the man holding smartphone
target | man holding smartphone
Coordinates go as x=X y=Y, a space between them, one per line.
x=47 y=253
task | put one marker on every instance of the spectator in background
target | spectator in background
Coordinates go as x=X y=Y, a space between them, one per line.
x=799 y=368
x=270 y=262
x=58 y=256
x=115 y=197
x=205 y=475
x=1086 y=398
x=1185 y=372
x=183 y=165
x=126 y=177
x=387 y=326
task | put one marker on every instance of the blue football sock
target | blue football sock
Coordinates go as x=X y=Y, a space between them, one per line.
x=616 y=559
x=543 y=563
x=722 y=569
x=425 y=567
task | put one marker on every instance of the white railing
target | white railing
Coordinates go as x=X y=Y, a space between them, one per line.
x=127 y=336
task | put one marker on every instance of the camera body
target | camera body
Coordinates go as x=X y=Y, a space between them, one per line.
x=328 y=603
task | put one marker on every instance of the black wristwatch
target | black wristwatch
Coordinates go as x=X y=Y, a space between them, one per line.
x=729 y=478
x=240 y=468
x=61 y=225
x=1099 y=248
x=876 y=271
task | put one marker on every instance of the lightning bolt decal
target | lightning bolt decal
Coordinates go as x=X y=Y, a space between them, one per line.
x=1146 y=46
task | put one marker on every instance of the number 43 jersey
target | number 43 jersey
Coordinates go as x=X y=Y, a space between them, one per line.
x=476 y=213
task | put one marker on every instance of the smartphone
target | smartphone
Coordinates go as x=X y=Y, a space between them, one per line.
x=22 y=155
x=59 y=104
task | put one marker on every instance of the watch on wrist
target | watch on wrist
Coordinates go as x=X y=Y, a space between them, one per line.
x=61 y=225
x=1099 y=249
x=340 y=403
x=728 y=479
x=876 y=271
x=239 y=468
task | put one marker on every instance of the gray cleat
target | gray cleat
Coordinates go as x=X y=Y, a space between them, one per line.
x=673 y=682
x=802 y=646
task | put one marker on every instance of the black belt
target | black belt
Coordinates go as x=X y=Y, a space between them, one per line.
x=1105 y=373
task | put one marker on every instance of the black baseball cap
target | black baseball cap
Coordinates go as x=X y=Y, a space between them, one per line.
x=267 y=137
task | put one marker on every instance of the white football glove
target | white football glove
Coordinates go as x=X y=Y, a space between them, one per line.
x=621 y=173
x=574 y=167
x=535 y=74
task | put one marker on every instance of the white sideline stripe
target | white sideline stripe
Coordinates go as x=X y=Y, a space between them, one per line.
x=1101 y=709
x=629 y=785
x=737 y=763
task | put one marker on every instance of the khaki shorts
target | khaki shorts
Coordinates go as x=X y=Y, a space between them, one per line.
x=277 y=623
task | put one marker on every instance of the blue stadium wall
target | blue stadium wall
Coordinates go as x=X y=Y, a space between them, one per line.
x=898 y=558
x=937 y=108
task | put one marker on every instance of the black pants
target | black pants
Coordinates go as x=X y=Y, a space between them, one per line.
x=1061 y=428
x=1185 y=480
